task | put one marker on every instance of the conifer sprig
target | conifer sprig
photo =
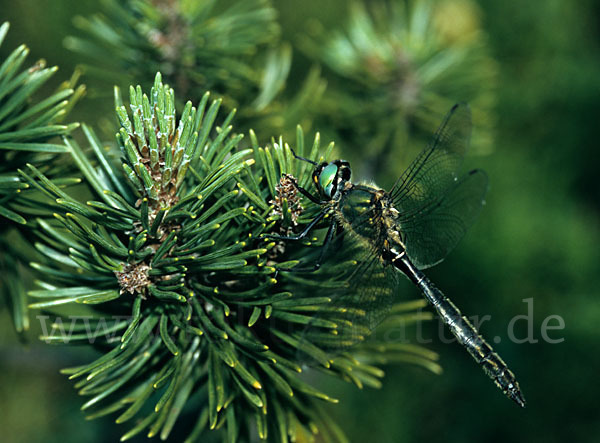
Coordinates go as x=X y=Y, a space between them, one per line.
x=231 y=48
x=29 y=127
x=179 y=286
x=394 y=69
x=176 y=38
x=26 y=127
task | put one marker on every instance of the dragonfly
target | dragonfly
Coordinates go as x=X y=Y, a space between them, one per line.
x=403 y=231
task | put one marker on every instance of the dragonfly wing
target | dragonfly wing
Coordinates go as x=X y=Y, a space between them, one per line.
x=430 y=234
x=436 y=168
x=360 y=302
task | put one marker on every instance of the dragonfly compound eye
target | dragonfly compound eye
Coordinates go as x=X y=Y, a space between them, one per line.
x=327 y=177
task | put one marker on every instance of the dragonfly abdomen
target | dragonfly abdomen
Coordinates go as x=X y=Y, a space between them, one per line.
x=466 y=334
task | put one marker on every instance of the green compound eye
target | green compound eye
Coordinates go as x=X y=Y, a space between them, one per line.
x=326 y=178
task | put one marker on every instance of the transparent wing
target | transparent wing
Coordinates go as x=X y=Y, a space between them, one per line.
x=360 y=301
x=434 y=171
x=430 y=234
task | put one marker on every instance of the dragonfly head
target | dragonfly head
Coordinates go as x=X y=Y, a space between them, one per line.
x=329 y=178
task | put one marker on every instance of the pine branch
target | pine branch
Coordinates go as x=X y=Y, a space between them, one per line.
x=393 y=71
x=28 y=125
x=180 y=287
x=232 y=49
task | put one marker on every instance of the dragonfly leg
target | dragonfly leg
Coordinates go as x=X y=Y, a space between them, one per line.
x=294 y=182
x=328 y=237
x=303 y=234
x=305 y=193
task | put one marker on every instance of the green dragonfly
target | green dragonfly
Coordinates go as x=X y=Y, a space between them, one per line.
x=403 y=231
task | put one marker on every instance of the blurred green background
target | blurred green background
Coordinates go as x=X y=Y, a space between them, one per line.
x=538 y=238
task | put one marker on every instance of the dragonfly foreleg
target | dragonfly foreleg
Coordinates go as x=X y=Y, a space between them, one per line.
x=305 y=193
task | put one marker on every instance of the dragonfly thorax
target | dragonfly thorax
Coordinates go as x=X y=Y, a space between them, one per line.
x=369 y=214
x=394 y=242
